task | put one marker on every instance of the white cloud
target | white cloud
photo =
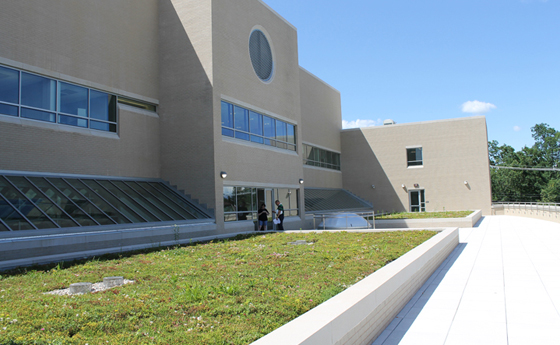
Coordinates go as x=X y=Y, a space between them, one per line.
x=477 y=107
x=359 y=123
x=516 y=128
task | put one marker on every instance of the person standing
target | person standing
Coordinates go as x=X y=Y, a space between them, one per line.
x=280 y=215
x=263 y=217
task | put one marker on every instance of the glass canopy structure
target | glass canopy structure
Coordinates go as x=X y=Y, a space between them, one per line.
x=36 y=202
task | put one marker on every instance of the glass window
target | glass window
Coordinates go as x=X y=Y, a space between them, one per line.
x=142 y=201
x=62 y=201
x=269 y=125
x=73 y=121
x=291 y=134
x=25 y=206
x=178 y=200
x=154 y=200
x=241 y=118
x=414 y=156
x=6 y=109
x=73 y=99
x=114 y=201
x=241 y=121
x=98 y=201
x=227 y=115
x=103 y=106
x=170 y=203
x=281 y=132
x=38 y=92
x=230 y=203
x=256 y=123
x=81 y=201
x=9 y=85
x=103 y=126
x=129 y=201
x=38 y=115
x=47 y=206
x=244 y=202
x=11 y=218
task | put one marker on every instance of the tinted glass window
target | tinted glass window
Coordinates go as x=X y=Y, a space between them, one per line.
x=62 y=201
x=291 y=134
x=155 y=201
x=227 y=116
x=73 y=99
x=108 y=209
x=38 y=92
x=103 y=106
x=114 y=201
x=26 y=207
x=414 y=156
x=73 y=121
x=129 y=201
x=256 y=123
x=142 y=201
x=85 y=204
x=6 y=109
x=47 y=206
x=38 y=115
x=9 y=85
x=176 y=206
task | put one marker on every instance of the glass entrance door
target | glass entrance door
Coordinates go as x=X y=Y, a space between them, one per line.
x=417 y=201
x=266 y=196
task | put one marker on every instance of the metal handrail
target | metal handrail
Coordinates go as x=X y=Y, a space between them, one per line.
x=530 y=206
x=329 y=215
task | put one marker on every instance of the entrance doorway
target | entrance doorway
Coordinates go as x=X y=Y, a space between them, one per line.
x=417 y=200
x=266 y=196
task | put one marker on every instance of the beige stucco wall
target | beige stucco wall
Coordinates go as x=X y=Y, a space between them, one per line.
x=111 y=43
x=321 y=122
x=453 y=150
x=234 y=80
x=102 y=44
x=186 y=109
x=28 y=145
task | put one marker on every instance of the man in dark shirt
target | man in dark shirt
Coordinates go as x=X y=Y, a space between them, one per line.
x=280 y=215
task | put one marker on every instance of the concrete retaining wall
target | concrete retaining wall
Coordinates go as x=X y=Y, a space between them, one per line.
x=360 y=313
x=467 y=222
x=550 y=213
x=48 y=248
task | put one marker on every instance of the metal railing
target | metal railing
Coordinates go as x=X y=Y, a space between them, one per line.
x=322 y=218
x=529 y=206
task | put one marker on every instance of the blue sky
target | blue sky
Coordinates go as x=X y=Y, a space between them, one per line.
x=427 y=60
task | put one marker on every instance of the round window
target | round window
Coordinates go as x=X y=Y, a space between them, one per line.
x=261 y=55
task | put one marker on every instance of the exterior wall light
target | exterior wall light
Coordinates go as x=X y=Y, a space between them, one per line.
x=403 y=186
x=466 y=182
x=300 y=181
x=416 y=185
x=373 y=186
x=223 y=174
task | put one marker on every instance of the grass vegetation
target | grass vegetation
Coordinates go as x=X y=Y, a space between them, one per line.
x=424 y=215
x=229 y=292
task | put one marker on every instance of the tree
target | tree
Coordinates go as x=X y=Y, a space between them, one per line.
x=526 y=185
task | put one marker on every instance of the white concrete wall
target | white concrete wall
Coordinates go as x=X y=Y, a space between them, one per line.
x=360 y=313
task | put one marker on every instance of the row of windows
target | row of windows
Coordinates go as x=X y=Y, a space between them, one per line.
x=321 y=158
x=414 y=156
x=245 y=124
x=243 y=203
x=35 y=97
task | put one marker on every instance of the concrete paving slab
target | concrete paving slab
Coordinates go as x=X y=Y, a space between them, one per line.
x=501 y=285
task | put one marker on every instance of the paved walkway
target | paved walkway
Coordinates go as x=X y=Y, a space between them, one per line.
x=501 y=285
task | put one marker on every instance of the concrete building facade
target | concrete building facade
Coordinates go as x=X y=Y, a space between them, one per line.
x=207 y=95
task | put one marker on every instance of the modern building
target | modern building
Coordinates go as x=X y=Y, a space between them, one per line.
x=110 y=110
